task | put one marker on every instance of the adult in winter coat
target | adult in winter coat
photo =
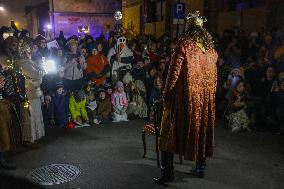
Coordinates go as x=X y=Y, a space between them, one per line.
x=74 y=67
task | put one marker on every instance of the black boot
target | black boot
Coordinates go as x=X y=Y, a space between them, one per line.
x=167 y=169
x=4 y=165
x=199 y=169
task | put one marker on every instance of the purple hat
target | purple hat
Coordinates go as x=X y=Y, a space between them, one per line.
x=119 y=84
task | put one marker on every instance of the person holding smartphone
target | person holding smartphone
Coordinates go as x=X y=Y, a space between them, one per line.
x=74 y=67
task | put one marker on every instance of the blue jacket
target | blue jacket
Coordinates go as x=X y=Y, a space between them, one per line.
x=60 y=109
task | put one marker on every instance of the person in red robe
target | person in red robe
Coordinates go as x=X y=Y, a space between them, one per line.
x=97 y=67
x=188 y=121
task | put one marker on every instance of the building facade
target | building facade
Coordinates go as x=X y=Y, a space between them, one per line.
x=70 y=16
x=156 y=17
x=248 y=15
x=37 y=17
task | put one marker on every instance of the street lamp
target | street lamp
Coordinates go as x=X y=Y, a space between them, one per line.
x=47 y=29
x=118 y=20
x=48 y=26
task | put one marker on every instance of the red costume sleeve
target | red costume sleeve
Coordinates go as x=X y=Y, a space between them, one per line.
x=175 y=68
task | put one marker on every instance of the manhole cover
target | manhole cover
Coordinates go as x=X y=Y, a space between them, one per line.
x=54 y=174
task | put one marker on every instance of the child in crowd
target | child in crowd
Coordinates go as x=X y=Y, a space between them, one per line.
x=150 y=81
x=77 y=107
x=136 y=93
x=108 y=90
x=91 y=103
x=103 y=111
x=59 y=109
x=120 y=103
x=233 y=78
x=156 y=94
x=238 y=119
x=139 y=97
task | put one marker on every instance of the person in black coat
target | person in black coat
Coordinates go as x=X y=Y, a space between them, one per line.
x=139 y=72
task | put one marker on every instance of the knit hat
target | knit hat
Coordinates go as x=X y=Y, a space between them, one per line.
x=59 y=84
x=100 y=90
x=108 y=86
x=72 y=42
x=119 y=84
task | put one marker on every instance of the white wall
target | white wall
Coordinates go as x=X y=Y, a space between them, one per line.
x=15 y=10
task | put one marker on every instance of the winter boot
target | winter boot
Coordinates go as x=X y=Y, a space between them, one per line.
x=199 y=169
x=167 y=169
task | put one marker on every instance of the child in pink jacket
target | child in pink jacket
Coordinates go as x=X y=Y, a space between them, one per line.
x=119 y=103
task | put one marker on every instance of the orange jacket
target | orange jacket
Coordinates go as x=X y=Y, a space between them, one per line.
x=97 y=63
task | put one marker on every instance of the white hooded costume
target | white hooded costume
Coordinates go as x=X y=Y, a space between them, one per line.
x=125 y=54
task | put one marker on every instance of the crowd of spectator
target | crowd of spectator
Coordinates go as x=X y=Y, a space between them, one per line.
x=83 y=81
x=251 y=78
x=77 y=82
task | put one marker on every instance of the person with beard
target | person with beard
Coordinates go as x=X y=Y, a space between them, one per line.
x=42 y=46
x=188 y=120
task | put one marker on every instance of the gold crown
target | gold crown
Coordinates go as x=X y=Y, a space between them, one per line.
x=195 y=19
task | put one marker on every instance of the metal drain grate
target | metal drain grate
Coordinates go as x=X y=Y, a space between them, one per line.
x=54 y=174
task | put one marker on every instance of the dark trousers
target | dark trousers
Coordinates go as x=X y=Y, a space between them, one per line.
x=73 y=85
x=167 y=165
